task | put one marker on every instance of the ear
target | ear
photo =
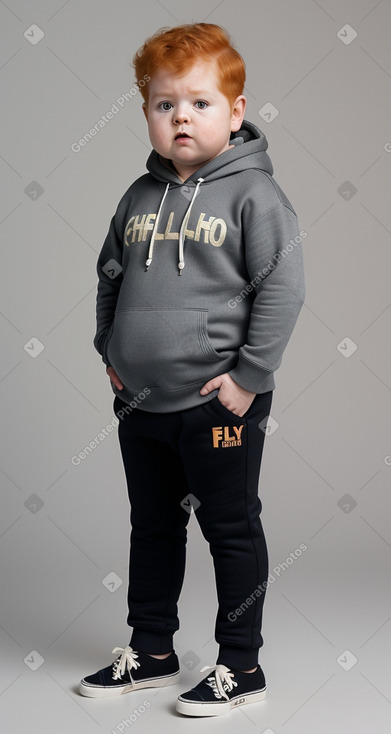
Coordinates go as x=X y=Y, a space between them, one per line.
x=238 y=110
x=145 y=110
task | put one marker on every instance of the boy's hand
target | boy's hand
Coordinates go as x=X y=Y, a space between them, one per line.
x=231 y=395
x=114 y=377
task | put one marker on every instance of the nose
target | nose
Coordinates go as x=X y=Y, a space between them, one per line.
x=181 y=117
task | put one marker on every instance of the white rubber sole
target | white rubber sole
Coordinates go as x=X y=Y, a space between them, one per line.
x=86 y=689
x=197 y=708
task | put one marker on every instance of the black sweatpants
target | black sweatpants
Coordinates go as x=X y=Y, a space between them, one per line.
x=209 y=458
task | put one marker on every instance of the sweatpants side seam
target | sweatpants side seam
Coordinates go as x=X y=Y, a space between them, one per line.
x=249 y=528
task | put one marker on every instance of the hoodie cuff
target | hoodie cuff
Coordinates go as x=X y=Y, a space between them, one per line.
x=100 y=346
x=252 y=378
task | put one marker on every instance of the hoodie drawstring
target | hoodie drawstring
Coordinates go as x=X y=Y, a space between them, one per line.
x=181 y=263
x=152 y=241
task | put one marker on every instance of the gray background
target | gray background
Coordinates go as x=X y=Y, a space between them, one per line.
x=325 y=478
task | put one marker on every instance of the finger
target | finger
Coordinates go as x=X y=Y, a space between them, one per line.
x=213 y=384
x=113 y=377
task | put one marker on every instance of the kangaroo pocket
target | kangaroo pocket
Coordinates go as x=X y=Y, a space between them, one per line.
x=165 y=347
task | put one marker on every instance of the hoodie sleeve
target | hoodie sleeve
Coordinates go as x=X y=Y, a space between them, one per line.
x=109 y=270
x=274 y=260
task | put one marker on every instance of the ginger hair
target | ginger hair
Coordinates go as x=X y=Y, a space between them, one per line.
x=177 y=49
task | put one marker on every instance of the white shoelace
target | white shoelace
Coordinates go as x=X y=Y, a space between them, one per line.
x=221 y=675
x=127 y=660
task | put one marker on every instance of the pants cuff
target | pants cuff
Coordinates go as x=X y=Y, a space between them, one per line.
x=238 y=658
x=152 y=642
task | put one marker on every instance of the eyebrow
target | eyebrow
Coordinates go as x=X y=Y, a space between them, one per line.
x=194 y=93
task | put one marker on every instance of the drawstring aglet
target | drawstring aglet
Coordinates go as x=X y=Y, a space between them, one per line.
x=181 y=265
x=147 y=263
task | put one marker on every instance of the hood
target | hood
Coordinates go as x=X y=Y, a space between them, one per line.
x=249 y=152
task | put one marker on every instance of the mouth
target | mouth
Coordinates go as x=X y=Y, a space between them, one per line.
x=181 y=135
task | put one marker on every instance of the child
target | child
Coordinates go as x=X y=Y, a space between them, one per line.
x=191 y=359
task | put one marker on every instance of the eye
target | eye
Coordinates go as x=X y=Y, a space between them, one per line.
x=162 y=106
x=200 y=101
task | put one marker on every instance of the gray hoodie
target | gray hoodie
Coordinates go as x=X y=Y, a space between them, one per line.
x=231 y=235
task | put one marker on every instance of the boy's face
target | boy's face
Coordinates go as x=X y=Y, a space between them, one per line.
x=191 y=103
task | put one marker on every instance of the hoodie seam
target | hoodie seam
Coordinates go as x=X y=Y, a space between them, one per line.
x=270 y=178
x=279 y=203
x=255 y=364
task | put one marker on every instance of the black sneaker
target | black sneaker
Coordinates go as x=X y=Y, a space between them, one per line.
x=129 y=671
x=221 y=691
